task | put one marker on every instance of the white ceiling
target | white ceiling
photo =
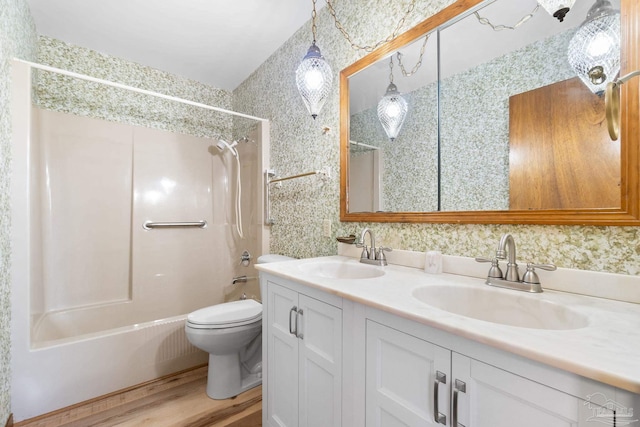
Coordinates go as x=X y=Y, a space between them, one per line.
x=219 y=42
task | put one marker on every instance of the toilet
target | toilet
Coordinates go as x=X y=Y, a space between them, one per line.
x=232 y=335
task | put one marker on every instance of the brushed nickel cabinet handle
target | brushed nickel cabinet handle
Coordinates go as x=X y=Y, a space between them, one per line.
x=459 y=387
x=441 y=378
x=299 y=315
x=294 y=309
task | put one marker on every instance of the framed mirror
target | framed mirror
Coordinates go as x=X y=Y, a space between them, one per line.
x=498 y=128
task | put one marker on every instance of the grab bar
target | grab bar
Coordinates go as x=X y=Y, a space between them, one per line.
x=148 y=225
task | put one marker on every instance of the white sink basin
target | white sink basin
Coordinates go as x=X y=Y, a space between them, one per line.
x=511 y=308
x=341 y=270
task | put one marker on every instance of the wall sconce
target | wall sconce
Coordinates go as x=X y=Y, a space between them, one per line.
x=392 y=108
x=313 y=76
x=557 y=8
x=612 y=104
x=594 y=50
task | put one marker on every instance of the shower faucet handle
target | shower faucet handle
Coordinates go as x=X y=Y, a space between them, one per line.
x=245 y=258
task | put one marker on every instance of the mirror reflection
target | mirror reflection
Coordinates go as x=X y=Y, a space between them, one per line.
x=496 y=118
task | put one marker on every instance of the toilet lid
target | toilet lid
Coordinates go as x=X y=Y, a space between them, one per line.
x=268 y=258
x=228 y=314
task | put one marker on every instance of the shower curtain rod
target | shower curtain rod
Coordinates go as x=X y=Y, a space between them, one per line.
x=268 y=180
x=135 y=89
x=286 y=178
x=362 y=144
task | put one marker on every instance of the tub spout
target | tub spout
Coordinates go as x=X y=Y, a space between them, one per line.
x=239 y=279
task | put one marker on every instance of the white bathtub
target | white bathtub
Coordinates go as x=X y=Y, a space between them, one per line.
x=75 y=335
x=64 y=371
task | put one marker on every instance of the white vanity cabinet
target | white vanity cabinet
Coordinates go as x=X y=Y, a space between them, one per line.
x=302 y=356
x=413 y=382
x=363 y=352
x=406 y=379
x=486 y=396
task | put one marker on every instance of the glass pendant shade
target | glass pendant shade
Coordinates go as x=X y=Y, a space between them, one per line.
x=314 y=79
x=594 y=50
x=557 y=8
x=392 y=110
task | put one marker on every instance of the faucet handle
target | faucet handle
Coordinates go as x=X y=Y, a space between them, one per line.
x=548 y=267
x=365 y=252
x=495 y=270
x=530 y=276
x=380 y=253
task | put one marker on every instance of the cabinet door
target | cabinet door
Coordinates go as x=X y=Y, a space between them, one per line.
x=320 y=363
x=282 y=352
x=403 y=376
x=490 y=397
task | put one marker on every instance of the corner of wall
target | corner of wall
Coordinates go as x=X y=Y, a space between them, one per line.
x=17 y=39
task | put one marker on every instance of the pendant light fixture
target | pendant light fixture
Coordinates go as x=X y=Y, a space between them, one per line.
x=594 y=50
x=392 y=108
x=557 y=8
x=313 y=76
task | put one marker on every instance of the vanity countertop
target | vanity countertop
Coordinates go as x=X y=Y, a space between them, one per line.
x=607 y=350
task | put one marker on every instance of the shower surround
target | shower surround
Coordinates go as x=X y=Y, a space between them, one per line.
x=99 y=302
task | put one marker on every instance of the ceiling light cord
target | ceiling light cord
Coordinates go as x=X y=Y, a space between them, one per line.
x=500 y=27
x=369 y=48
x=314 y=29
x=418 y=64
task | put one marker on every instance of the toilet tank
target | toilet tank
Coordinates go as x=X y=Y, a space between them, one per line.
x=267 y=258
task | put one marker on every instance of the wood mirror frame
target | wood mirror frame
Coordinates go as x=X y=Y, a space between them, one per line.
x=627 y=214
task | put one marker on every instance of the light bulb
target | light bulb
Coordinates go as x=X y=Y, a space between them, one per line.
x=599 y=45
x=314 y=79
x=392 y=110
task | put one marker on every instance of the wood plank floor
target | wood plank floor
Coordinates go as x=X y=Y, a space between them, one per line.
x=179 y=400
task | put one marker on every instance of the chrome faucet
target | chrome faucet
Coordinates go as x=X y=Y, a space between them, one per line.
x=511 y=279
x=371 y=255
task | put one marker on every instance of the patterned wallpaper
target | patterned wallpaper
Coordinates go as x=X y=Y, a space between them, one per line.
x=17 y=39
x=410 y=177
x=474 y=135
x=298 y=144
x=70 y=95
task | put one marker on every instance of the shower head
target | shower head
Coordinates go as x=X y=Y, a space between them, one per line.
x=224 y=145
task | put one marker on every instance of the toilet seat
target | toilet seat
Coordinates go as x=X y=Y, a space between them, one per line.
x=227 y=315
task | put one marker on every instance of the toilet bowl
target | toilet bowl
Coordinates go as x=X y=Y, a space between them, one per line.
x=232 y=335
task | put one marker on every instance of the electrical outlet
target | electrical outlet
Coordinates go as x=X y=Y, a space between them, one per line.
x=326 y=228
